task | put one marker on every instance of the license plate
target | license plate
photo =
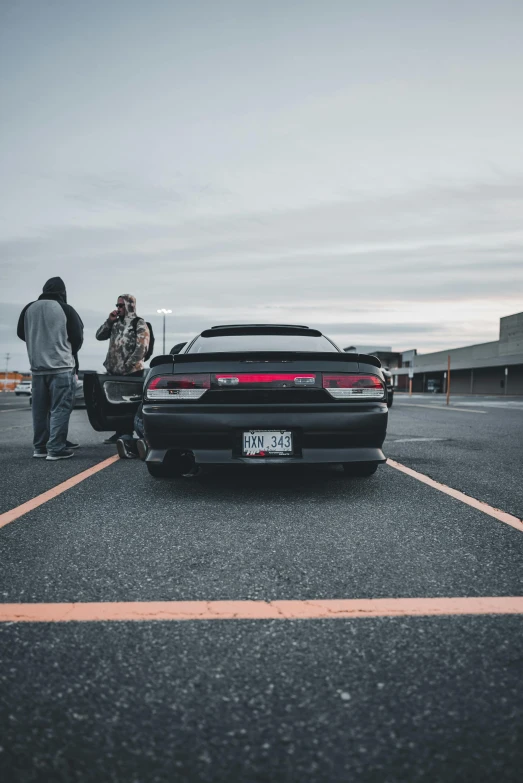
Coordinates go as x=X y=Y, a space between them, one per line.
x=262 y=443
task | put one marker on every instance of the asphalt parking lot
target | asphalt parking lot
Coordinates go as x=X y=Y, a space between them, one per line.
x=405 y=697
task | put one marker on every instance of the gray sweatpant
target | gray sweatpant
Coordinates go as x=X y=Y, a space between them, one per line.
x=53 y=401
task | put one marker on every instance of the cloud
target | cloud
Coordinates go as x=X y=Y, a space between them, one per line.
x=429 y=255
x=345 y=175
x=122 y=191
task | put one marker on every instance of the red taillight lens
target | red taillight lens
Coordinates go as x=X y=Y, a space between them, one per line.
x=178 y=387
x=354 y=386
x=277 y=380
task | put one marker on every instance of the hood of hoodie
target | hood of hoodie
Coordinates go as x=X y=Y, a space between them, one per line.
x=130 y=306
x=54 y=289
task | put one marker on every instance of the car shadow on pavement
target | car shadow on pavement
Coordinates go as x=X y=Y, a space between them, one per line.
x=290 y=482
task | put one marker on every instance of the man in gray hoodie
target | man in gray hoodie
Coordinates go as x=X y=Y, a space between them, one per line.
x=54 y=333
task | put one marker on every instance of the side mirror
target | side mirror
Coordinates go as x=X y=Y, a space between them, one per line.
x=177 y=348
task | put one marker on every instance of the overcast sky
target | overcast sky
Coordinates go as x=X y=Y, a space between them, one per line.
x=356 y=166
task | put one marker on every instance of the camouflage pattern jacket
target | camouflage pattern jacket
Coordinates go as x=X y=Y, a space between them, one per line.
x=127 y=346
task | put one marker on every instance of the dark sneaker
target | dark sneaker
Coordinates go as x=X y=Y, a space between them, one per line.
x=64 y=454
x=141 y=448
x=70 y=445
x=112 y=440
x=40 y=453
x=123 y=447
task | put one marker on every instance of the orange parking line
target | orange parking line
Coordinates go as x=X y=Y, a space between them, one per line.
x=19 y=511
x=508 y=519
x=329 y=609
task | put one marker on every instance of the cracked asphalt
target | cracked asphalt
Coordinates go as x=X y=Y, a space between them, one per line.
x=367 y=699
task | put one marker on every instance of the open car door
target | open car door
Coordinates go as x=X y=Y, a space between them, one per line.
x=112 y=400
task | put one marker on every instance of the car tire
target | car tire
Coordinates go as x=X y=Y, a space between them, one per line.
x=360 y=469
x=390 y=400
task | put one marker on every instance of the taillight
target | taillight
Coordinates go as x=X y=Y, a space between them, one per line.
x=354 y=387
x=279 y=380
x=178 y=387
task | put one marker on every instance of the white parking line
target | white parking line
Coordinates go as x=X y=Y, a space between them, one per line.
x=442 y=407
x=416 y=440
x=511 y=406
x=508 y=519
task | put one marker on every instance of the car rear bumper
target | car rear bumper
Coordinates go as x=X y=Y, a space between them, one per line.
x=322 y=433
x=310 y=456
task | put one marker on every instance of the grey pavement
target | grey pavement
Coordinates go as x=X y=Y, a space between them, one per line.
x=462 y=400
x=480 y=454
x=373 y=700
x=391 y=699
x=23 y=477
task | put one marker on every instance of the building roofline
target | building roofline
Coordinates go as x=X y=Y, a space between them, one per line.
x=471 y=364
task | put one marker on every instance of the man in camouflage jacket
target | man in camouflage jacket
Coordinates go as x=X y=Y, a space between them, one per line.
x=128 y=337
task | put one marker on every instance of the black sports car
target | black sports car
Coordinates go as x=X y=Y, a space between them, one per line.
x=251 y=394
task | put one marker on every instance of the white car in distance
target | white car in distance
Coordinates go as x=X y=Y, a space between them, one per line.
x=24 y=387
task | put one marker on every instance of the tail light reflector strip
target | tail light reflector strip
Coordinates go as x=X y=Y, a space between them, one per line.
x=354 y=386
x=178 y=387
x=276 y=380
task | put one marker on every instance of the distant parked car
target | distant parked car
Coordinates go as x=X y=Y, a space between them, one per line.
x=433 y=386
x=24 y=387
x=79 y=399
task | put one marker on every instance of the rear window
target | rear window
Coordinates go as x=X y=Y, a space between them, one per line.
x=261 y=342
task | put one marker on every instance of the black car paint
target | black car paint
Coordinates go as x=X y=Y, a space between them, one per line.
x=106 y=416
x=390 y=386
x=326 y=430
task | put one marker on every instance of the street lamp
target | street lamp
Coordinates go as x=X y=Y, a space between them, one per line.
x=164 y=312
x=7 y=357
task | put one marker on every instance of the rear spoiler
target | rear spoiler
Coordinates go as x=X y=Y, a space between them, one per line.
x=266 y=356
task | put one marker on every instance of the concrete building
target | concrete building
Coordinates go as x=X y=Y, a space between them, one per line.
x=369 y=349
x=487 y=368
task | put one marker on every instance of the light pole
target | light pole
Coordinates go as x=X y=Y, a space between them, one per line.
x=448 y=378
x=164 y=312
x=7 y=357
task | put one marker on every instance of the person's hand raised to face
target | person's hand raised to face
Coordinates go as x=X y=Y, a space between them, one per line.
x=120 y=311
